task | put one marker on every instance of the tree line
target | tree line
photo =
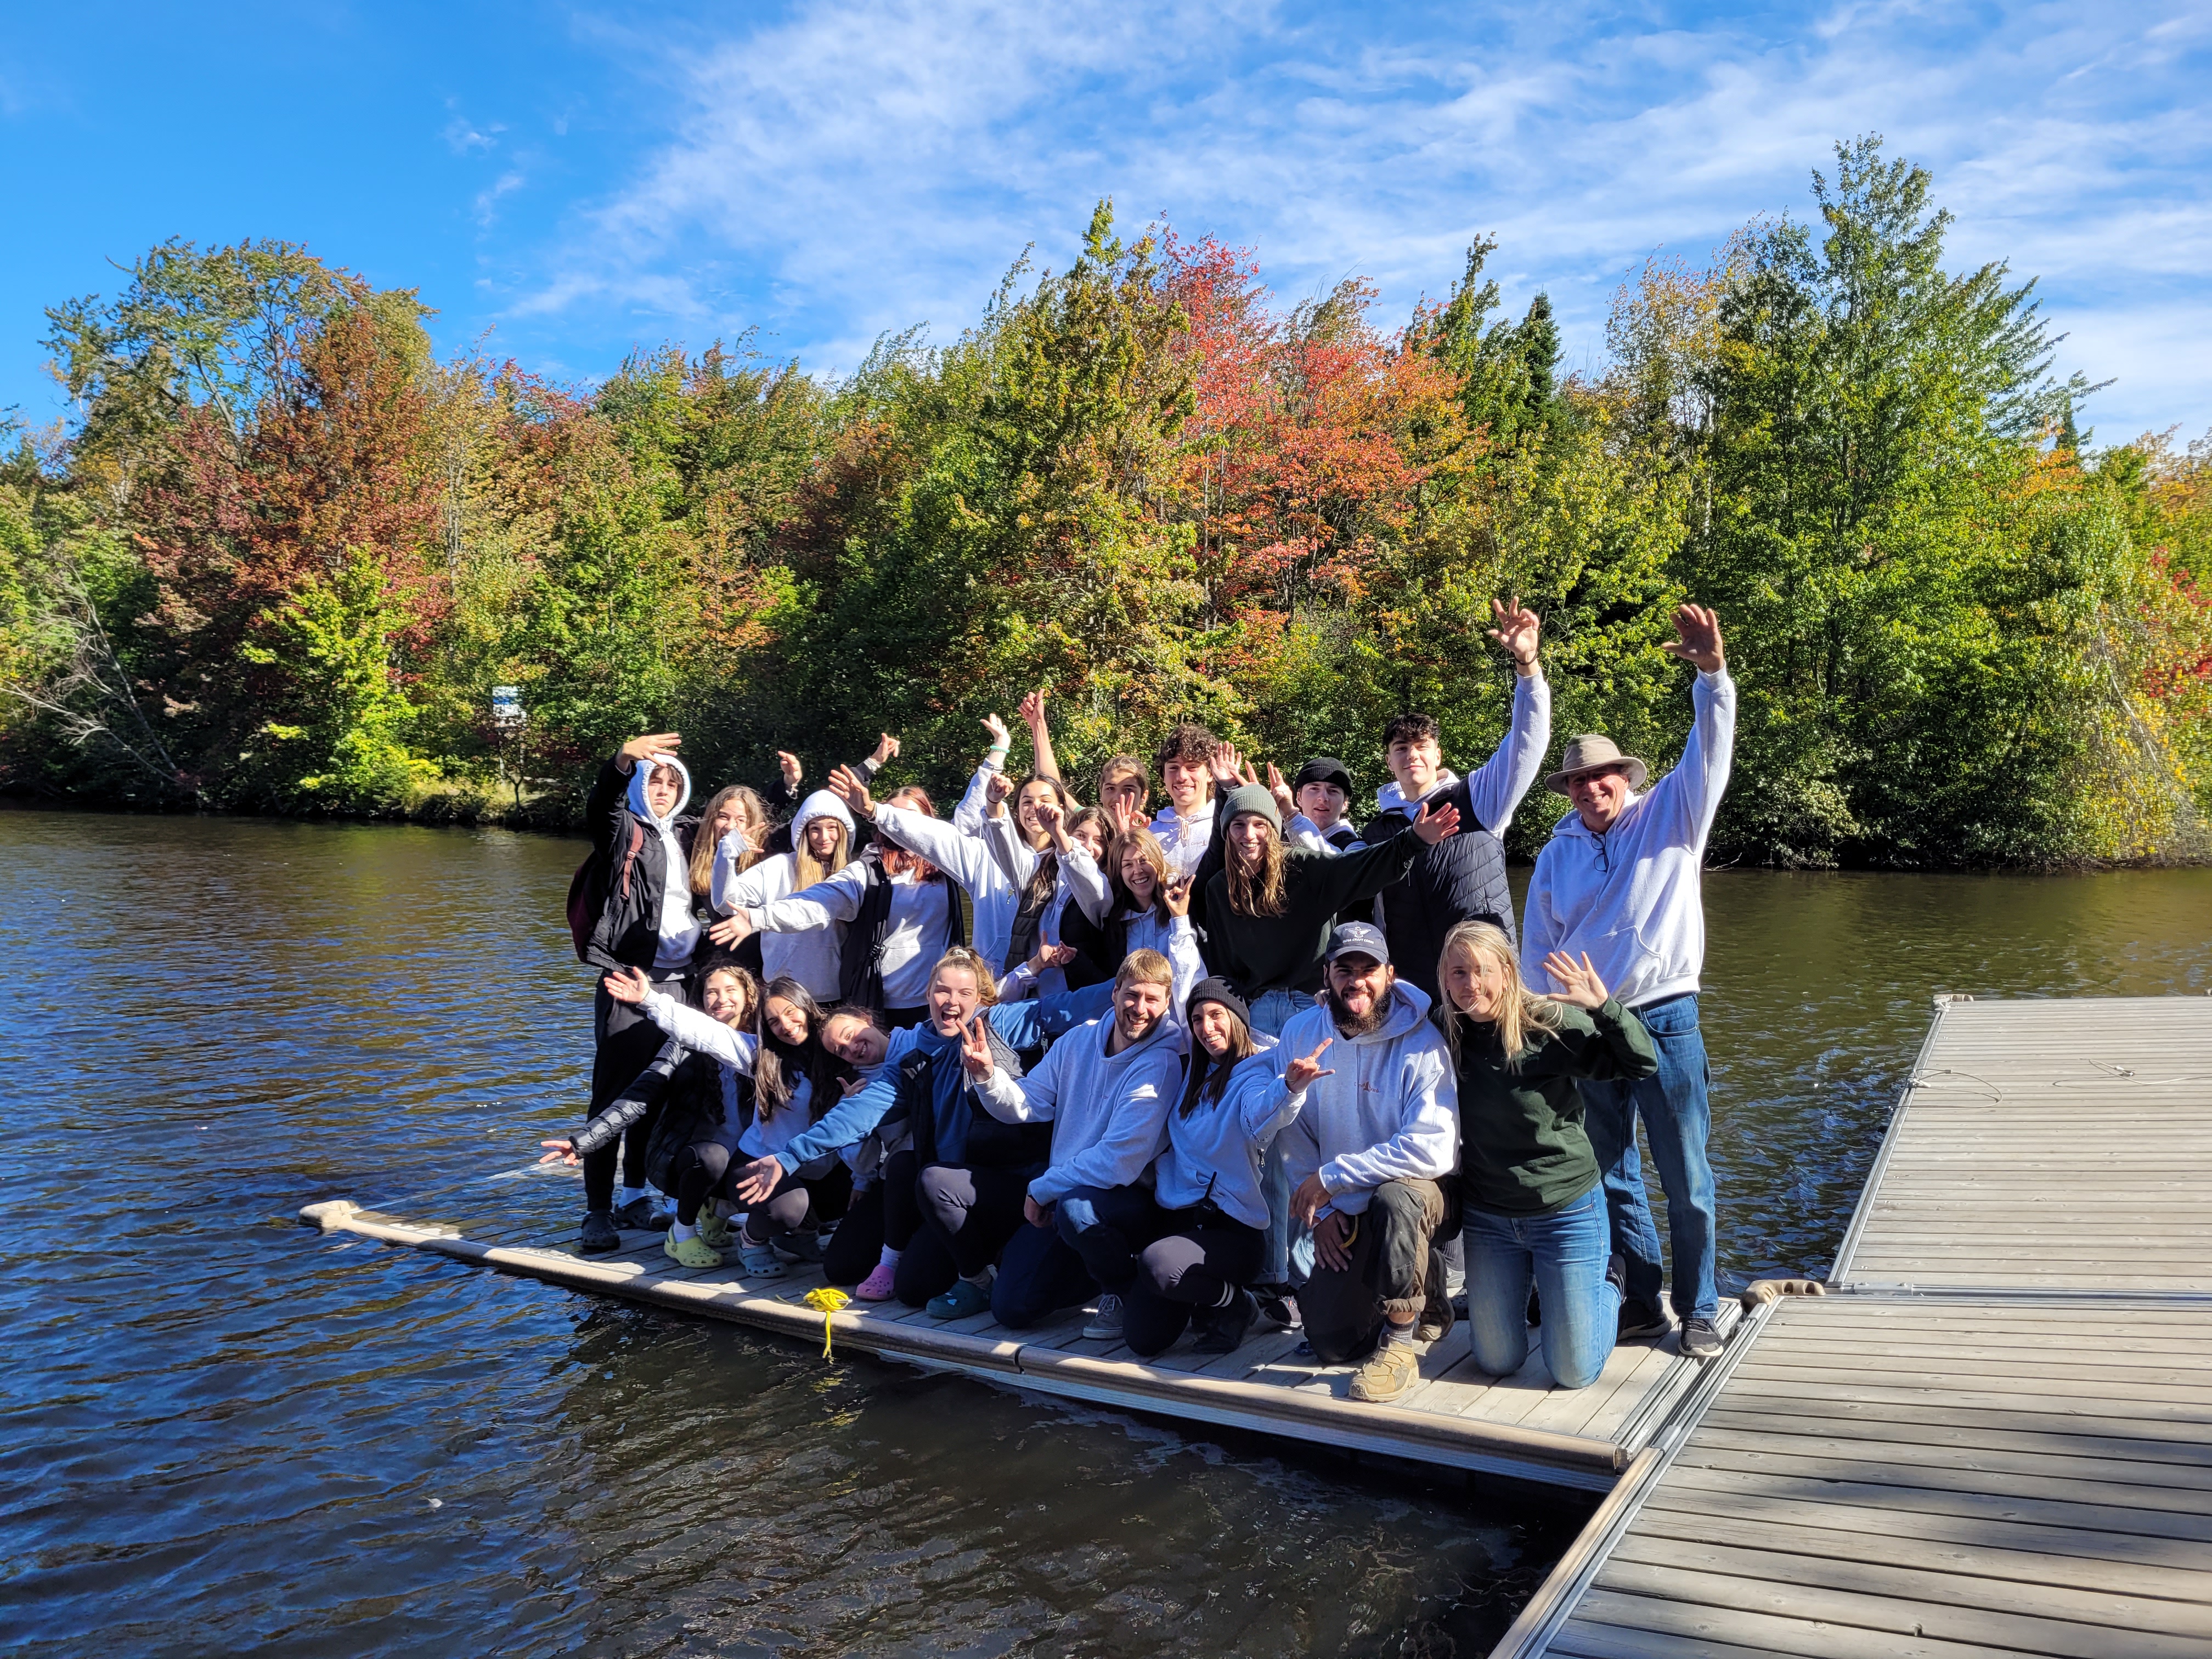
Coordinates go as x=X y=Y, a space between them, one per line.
x=284 y=551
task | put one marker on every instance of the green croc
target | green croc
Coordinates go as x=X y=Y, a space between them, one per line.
x=692 y=1252
x=714 y=1229
x=963 y=1300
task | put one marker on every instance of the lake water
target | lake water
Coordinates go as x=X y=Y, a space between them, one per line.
x=224 y=1432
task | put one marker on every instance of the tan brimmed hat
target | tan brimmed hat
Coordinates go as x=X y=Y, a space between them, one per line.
x=1592 y=753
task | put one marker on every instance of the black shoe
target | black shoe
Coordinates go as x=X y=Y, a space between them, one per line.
x=1637 y=1320
x=1277 y=1307
x=642 y=1215
x=1225 y=1333
x=1699 y=1340
x=1459 y=1306
x=599 y=1235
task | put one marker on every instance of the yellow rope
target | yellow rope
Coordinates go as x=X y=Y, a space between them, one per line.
x=826 y=1300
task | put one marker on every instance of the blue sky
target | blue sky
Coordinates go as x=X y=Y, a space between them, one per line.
x=566 y=183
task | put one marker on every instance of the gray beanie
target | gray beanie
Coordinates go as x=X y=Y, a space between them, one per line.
x=1254 y=798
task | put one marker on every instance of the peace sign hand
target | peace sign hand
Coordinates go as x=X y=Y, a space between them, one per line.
x=561 y=1152
x=1285 y=803
x=997 y=728
x=975 y=1052
x=1299 y=1075
x=1177 y=896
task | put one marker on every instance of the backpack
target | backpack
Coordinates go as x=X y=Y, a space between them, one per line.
x=587 y=890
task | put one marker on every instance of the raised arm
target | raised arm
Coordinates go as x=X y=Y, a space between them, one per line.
x=965 y=856
x=741 y=890
x=701 y=1032
x=1687 y=799
x=1086 y=882
x=1047 y=764
x=1495 y=788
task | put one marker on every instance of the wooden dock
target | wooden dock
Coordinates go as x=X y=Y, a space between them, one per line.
x=1995 y=1435
x=524 y=1222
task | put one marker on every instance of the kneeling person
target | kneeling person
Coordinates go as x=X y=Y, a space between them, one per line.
x=1105 y=1088
x=1369 y=1141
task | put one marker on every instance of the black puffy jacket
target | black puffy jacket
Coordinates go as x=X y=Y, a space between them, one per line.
x=1460 y=879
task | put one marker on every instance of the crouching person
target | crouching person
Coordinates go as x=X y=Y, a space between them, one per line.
x=1105 y=1088
x=1210 y=1231
x=1371 y=1138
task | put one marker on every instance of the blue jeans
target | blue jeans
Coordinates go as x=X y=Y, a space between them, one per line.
x=1564 y=1252
x=1676 y=1116
x=1287 y=1258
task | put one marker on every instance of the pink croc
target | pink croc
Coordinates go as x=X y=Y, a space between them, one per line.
x=876 y=1287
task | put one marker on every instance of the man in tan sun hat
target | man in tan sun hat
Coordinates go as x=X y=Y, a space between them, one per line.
x=1620 y=880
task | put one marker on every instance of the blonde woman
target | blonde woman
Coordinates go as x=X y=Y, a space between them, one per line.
x=821 y=846
x=1531 y=1188
x=732 y=809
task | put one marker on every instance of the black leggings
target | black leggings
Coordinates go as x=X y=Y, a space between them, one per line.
x=626 y=1043
x=700 y=1171
x=974 y=1212
x=786 y=1210
x=1203 y=1254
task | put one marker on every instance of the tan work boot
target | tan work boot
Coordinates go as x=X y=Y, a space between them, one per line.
x=1393 y=1370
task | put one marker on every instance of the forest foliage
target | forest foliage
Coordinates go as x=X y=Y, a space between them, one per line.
x=284 y=551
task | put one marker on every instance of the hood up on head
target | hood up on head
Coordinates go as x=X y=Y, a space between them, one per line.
x=640 y=772
x=821 y=804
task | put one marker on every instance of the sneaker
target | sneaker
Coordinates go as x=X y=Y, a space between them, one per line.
x=1278 y=1307
x=760 y=1261
x=1637 y=1320
x=716 y=1230
x=1395 y=1367
x=963 y=1300
x=692 y=1252
x=599 y=1235
x=642 y=1215
x=877 y=1286
x=1105 y=1325
x=1699 y=1340
x=1435 y=1319
x=1224 y=1331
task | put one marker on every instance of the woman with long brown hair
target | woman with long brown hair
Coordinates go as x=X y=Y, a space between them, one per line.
x=821 y=845
x=1269 y=908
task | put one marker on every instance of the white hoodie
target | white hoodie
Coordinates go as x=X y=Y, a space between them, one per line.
x=678 y=928
x=1632 y=897
x=814 y=957
x=1107 y=1112
x=1184 y=840
x=1386 y=1109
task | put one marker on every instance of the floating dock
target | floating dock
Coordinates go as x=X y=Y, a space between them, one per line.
x=1994 y=1435
x=523 y=1222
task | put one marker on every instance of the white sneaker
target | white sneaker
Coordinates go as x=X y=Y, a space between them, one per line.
x=1105 y=1325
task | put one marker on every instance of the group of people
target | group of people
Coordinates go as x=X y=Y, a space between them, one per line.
x=1243 y=1058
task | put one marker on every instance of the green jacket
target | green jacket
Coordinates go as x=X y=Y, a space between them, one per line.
x=1522 y=1151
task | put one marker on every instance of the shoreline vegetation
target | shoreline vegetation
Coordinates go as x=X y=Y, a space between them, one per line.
x=283 y=554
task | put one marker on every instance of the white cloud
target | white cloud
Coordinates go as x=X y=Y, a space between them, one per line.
x=858 y=167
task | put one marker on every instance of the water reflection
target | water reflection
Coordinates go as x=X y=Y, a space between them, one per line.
x=224 y=1433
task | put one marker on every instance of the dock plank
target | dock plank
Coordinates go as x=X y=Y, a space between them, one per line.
x=1997 y=1437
